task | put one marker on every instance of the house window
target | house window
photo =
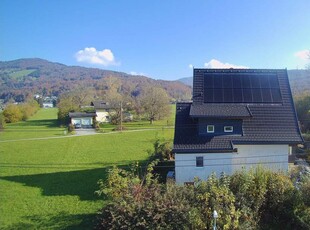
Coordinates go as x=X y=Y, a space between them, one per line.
x=228 y=129
x=210 y=128
x=199 y=161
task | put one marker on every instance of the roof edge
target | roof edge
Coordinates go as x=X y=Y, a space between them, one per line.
x=184 y=151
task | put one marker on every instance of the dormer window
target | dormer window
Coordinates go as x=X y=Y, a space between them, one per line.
x=228 y=129
x=210 y=128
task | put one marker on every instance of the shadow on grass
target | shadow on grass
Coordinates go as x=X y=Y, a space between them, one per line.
x=82 y=183
x=60 y=221
x=49 y=123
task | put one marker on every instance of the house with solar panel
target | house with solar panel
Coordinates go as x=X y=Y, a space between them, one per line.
x=239 y=118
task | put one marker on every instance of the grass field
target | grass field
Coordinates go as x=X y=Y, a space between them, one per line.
x=19 y=74
x=50 y=183
x=42 y=124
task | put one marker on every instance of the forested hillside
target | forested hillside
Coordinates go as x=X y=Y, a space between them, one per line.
x=25 y=77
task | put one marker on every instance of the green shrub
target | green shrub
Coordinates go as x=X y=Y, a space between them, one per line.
x=71 y=128
x=254 y=199
x=162 y=150
x=214 y=194
x=12 y=113
x=250 y=188
x=2 y=122
x=305 y=189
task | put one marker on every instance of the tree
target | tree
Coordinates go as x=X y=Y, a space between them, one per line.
x=155 y=102
x=66 y=105
x=72 y=102
x=29 y=108
x=82 y=96
x=2 y=121
x=12 y=113
x=303 y=112
x=254 y=199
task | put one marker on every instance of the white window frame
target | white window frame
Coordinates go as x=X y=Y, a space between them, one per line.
x=210 y=126
x=198 y=159
x=228 y=129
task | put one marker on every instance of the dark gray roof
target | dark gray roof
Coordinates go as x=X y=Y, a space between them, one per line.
x=101 y=105
x=81 y=114
x=219 y=110
x=261 y=123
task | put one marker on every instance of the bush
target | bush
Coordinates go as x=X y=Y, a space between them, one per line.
x=142 y=203
x=305 y=189
x=255 y=199
x=71 y=128
x=12 y=113
x=214 y=194
x=29 y=108
x=2 y=122
x=250 y=188
x=162 y=150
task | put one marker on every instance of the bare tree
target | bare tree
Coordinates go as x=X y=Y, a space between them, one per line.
x=155 y=102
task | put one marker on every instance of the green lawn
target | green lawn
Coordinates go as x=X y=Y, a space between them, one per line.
x=143 y=124
x=43 y=124
x=50 y=183
x=21 y=73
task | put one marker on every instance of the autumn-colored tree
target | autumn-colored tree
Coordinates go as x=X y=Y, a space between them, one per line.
x=29 y=108
x=73 y=101
x=303 y=112
x=12 y=113
x=2 y=121
x=66 y=105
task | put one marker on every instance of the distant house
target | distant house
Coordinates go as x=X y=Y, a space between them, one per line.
x=238 y=118
x=82 y=119
x=48 y=104
x=102 y=111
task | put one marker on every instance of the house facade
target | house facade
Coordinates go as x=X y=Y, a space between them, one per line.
x=82 y=119
x=239 y=118
x=102 y=111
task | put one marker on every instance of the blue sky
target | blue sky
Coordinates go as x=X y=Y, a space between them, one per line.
x=160 y=39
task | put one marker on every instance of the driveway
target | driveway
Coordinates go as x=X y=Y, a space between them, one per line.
x=81 y=132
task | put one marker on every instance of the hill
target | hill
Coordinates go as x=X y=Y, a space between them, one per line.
x=25 y=77
x=299 y=81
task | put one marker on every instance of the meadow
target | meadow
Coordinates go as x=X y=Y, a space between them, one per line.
x=48 y=178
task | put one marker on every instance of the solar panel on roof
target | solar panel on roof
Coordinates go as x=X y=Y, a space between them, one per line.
x=241 y=88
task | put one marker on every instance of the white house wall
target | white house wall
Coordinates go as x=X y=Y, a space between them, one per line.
x=48 y=105
x=102 y=116
x=274 y=157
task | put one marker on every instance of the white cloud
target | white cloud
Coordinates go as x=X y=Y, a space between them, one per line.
x=190 y=66
x=92 y=56
x=303 y=54
x=216 y=64
x=136 y=73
